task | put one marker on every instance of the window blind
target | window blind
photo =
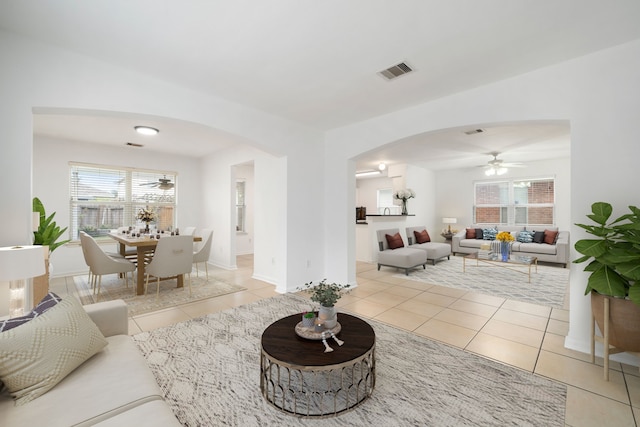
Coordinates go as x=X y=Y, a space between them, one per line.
x=103 y=198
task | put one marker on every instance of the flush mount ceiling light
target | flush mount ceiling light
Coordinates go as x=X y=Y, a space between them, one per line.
x=382 y=167
x=146 y=130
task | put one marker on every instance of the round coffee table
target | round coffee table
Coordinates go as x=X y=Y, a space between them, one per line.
x=299 y=377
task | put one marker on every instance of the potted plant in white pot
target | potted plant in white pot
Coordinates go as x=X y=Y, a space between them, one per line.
x=326 y=294
x=614 y=256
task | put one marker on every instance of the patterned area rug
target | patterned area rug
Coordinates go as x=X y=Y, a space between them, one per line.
x=548 y=286
x=209 y=371
x=170 y=296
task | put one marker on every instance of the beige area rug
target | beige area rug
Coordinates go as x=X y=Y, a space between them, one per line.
x=170 y=296
x=548 y=286
x=209 y=372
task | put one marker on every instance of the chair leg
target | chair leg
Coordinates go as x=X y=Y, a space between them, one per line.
x=206 y=268
x=197 y=271
x=146 y=283
x=189 y=281
x=99 y=285
x=157 y=287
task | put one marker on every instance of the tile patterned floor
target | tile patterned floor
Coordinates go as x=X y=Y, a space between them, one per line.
x=526 y=336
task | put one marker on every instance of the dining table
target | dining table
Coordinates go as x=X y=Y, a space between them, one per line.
x=144 y=248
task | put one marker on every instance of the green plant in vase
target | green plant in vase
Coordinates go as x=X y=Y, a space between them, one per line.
x=326 y=294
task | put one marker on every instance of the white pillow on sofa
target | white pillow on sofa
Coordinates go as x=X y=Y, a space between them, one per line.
x=37 y=355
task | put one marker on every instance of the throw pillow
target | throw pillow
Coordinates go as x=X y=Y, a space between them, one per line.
x=525 y=236
x=550 y=237
x=45 y=304
x=538 y=236
x=394 y=241
x=42 y=352
x=479 y=233
x=489 y=233
x=422 y=236
x=471 y=233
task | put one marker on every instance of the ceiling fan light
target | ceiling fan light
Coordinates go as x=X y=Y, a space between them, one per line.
x=490 y=172
x=502 y=171
x=146 y=130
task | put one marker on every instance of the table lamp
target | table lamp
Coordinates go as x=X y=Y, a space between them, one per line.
x=449 y=221
x=17 y=265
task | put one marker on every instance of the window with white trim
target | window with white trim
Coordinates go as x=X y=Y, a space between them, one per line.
x=103 y=198
x=385 y=200
x=515 y=202
x=240 y=206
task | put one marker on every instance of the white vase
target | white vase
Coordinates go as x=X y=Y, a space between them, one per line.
x=328 y=316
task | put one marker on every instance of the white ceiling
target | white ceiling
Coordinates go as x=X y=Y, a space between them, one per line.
x=316 y=62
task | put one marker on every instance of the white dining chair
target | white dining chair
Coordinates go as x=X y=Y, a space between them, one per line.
x=173 y=257
x=202 y=254
x=188 y=231
x=100 y=263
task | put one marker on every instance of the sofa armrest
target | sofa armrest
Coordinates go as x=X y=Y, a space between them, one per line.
x=111 y=317
x=455 y=240
x=563 y=249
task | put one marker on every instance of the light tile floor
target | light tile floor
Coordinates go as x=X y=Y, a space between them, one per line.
x=522 y=335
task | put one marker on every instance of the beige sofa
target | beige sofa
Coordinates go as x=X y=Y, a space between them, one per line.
x=113 y=388
x=553 y=253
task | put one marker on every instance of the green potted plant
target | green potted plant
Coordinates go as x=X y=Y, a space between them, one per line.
x=326 y=294
x=48 y=231
x=614 y=268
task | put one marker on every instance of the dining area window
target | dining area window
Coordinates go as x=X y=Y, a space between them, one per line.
x=103 y=198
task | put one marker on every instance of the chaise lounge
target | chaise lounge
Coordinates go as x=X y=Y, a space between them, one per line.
x=419 y=238
x=393 y=253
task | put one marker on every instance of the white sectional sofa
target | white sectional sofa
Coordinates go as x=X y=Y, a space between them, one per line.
x=113 y=388
x=557 y=252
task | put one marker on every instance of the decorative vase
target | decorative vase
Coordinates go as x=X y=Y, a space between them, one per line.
x=308 y=322
x=329 y=316
x=404 y=207
x=504 y=250
x=146 y=228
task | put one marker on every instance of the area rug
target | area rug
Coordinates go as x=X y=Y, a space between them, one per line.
x=170 y=296
x=209 y=372
x=548 y=286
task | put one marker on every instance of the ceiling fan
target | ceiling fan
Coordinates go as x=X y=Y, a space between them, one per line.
x=498 y=167
x=162 y=183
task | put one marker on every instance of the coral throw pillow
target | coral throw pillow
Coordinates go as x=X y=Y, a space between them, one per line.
x=422 y=236
x=471 y=233
x=394 y=241
x=550 y=237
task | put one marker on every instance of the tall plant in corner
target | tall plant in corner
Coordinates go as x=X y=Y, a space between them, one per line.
x=48 y=231
x=614 y=253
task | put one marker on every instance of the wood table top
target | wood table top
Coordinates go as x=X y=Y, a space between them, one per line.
x=280 y=341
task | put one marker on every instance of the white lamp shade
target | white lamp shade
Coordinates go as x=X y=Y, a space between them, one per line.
x=21 y=262
x=449 y=220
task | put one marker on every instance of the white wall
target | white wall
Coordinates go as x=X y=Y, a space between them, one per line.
x=593 y=93
x=454 y=190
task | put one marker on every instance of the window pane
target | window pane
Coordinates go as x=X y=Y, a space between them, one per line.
x=240 y=206
x=521 y=202
x=104 y=198
x=493 y=193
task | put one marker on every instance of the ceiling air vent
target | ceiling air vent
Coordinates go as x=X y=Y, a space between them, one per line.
x=474 y=131
x=133 y=144
x=395 y=71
